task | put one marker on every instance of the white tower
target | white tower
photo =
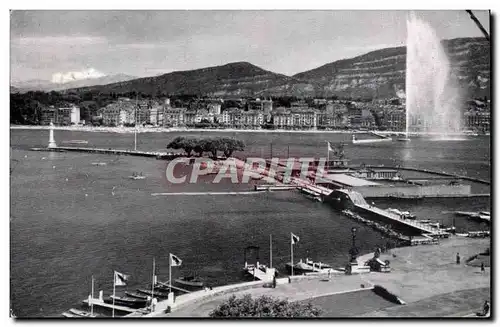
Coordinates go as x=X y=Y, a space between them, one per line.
x=52 y=142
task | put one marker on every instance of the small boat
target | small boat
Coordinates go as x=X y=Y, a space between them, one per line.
x=156 y=293
x=190 y=281
x=76 y=142
x=434 y=225
x=307 y=267
x=424 y=221
x=81 y=313
x=137 y=176
x=403 y=139
x=137 y=296
x=125 y=301
x=70 y=315
x=99 y=164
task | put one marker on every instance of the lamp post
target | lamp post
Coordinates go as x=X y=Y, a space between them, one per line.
x=354 y=250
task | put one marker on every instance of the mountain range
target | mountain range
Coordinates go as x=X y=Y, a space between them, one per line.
x=46 y=86
x=376 y=74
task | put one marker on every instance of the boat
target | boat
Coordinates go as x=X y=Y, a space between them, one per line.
x=434 y=225
x=70 y=315
x=126 y=301
x=136 y=176
x=99 y=164
x=379 y=140
x=137 y=296
x=403 y=139
x=190 y=281
x=402 y=214
x=424 y=221
x=81 y=313
x=308 y=266
x=155 y=293
x=76 y=142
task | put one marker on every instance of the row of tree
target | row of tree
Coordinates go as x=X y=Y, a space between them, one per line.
x=210 y=145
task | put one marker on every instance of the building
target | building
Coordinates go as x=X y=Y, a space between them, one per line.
x=395 y=120
x=119 y=113
x=214 y=107
x=252 y=119
x=282 y=118
x=48 y=115
x=477 y=120
x=303 y=118
x=174 y=117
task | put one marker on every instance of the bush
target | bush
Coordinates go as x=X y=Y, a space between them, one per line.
x=263 y=306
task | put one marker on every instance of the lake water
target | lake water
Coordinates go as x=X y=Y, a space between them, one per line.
x=71 y=219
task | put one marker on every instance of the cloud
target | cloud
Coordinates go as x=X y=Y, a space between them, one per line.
x=61 y=78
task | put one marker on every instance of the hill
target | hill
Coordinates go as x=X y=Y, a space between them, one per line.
x=233 y=79
x=381 y=73
x=377 y=74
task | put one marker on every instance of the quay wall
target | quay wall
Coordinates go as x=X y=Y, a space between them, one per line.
x=414 y=191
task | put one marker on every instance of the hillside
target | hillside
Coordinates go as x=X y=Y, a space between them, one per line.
x=377 y=74
x=381 y=73
x=233 y=79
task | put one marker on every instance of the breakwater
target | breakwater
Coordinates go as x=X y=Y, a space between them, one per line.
x=154 y=154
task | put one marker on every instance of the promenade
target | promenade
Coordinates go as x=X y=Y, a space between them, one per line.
x=422 y=274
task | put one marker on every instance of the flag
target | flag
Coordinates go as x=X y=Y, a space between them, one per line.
x=330 y=147
x=120 y=279
x=295 y=238
x=175 y=261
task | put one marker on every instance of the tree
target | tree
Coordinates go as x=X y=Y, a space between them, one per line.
x=264 y=306
x=228 y=146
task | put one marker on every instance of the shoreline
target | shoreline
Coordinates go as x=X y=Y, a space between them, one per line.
x=139 y=130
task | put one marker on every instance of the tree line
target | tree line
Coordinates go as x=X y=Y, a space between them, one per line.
x=211 y=145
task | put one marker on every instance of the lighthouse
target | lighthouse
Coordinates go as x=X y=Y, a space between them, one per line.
x=52 y=142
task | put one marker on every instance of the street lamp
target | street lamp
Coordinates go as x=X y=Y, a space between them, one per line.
x=354 y=251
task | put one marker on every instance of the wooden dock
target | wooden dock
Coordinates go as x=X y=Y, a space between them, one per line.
x=102 y=304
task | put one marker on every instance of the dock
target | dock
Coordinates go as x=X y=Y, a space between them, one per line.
x=102 y=304
x=359 y=201
x=152 y=154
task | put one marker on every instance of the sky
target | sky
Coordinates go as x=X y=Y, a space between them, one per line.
x=61 y=45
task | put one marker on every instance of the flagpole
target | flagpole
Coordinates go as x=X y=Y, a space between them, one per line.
x=291 y=250
x=327 y=155
x=170 y=272
x=271 y=251
x=114 y=286
x=92 y=297
x=153 y=285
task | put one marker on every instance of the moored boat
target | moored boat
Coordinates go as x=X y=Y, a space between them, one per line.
x=81 y=313
x=155 y=293
x=190 y=281
x=128 y=302
x=307 y=267
x=137 y=296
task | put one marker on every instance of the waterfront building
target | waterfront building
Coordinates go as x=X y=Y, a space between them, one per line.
x=282 y=118
x=214 y=107
x=304 y=118
x=174 y=117
x=252 y=119
x=477 y=120
x=395 y=120
x=189 y=117
x=48 y=115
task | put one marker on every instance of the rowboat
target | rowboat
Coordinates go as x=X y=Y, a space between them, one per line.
x=125 y=301
x=190 y=281
x=156 y=293
x=137 y=296
x=81 y=313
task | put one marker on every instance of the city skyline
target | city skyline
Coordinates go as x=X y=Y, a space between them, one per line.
x=99 y=43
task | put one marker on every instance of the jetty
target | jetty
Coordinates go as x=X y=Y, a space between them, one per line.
x=102 y=304
x=360 y=203
x=151 y=154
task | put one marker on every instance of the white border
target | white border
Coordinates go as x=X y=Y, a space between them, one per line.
x=186 y=4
